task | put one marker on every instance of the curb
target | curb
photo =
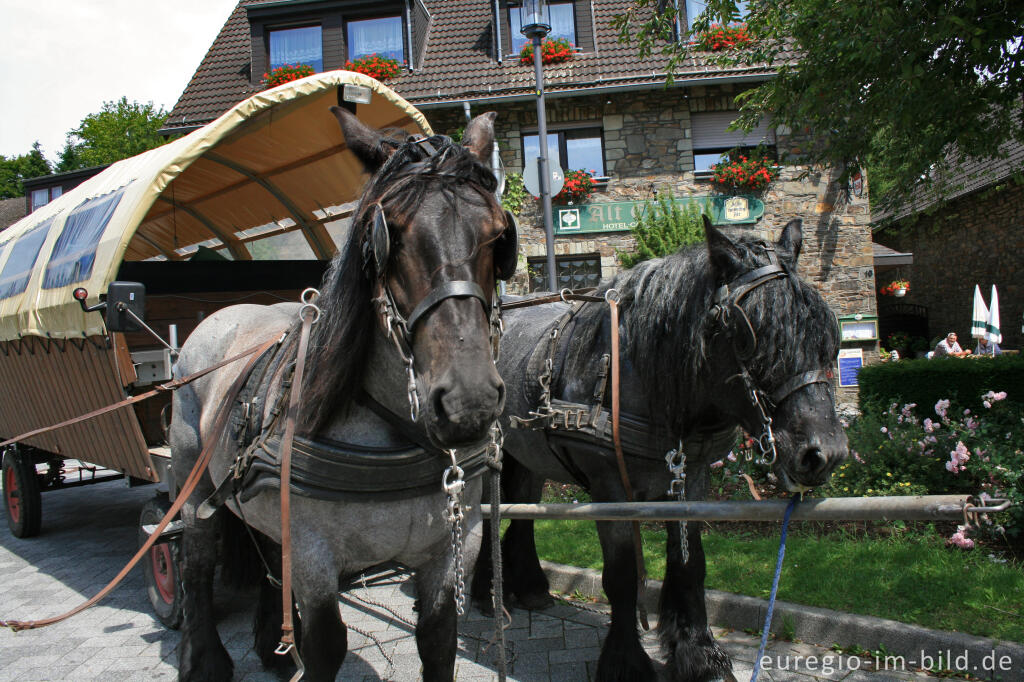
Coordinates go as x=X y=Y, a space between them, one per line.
x=824 y=627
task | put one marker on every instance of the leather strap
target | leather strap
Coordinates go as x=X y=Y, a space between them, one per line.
x=620 y=459
x=815 y=376
x=458 y=288
x=187 y=488
x=309 y=314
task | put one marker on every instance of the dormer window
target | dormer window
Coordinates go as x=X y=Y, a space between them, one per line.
x=382 y=36
x=561 y=16
x=302 y=45
x=695 y=7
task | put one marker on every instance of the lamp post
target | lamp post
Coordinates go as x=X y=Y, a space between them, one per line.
x=533 y=14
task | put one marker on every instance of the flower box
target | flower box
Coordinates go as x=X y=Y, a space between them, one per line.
x=718 y=38
x=747 y=173
x=551 y=52
x=286 y=74
x=375 y=66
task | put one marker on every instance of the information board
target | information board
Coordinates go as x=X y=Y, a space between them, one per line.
x=850 y=362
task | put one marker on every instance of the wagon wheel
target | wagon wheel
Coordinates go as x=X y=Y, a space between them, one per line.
x=22 y=499
x=162 y=567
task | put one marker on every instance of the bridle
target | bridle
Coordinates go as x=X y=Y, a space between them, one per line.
x=376 y=252
x=731 y=320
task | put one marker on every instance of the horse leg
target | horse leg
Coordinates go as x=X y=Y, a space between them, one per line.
x=324 y=640
x=691 y=650
x=622 y=656
x=524 y=578
x=692 y=653
x=202 y=656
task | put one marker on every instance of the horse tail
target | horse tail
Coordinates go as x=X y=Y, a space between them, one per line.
x=241 y=563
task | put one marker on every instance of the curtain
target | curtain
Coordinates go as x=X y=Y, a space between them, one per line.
x=297 y=46
x=560 y=16
x=376 y=36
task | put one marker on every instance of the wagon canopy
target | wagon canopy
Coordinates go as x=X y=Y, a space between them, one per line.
x=274 y=163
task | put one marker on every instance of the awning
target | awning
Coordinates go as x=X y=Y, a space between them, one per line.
x=277 y=158
x=886 y=257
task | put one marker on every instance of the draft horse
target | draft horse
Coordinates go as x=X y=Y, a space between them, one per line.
x=712 y=338
x=408 y=321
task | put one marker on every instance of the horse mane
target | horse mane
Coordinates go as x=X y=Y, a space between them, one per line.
x=339 y=344
x=667 y=331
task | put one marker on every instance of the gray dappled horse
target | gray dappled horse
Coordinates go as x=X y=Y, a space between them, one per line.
x=711 y=339
x=427 y=242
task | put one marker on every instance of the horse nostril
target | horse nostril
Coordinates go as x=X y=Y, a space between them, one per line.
x=813 y=460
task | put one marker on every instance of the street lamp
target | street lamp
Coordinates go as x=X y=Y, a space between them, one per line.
x=533 y=15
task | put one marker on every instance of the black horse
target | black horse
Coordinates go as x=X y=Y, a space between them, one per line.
x=712 y=338
x=408 y=321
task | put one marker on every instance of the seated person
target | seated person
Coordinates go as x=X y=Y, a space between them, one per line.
x=985 y=347
x=949 y=347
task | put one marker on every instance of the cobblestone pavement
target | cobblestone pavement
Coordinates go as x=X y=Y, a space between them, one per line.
x=89 y=533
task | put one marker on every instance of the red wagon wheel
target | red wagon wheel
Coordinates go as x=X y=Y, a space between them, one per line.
x=22 y=499
x=163 y=579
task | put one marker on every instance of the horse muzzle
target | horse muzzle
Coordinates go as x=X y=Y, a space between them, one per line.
x=460 y=410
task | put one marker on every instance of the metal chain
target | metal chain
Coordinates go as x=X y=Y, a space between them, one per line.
x=766 y=441
x=453 y=483
x=676 y=461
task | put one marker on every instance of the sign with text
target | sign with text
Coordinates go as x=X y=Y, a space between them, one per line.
x=621 y=216
x=850 y=362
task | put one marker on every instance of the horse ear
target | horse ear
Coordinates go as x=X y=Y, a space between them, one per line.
x=725 y=259
x=479 y=136
x=367 y=144
x=792 y=238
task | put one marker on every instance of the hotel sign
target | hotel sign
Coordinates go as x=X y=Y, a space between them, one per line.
x=621 y=216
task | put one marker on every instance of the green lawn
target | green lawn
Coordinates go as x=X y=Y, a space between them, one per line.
x=912 y=578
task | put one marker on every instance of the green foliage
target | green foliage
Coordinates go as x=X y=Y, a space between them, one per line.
x=925 y=382
x=889 y=86
x=515 y=193
x=663 y=228
x=118 y=131
x=961 y=451
x=15 y=170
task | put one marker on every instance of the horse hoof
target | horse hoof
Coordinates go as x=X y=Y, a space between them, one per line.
x=536 y=601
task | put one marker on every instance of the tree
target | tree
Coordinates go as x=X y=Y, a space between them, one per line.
x=118 y=131
x=901 y=88
x=15 y=170
x=662 y=228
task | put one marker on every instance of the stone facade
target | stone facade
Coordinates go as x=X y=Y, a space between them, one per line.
x=976 y=239
x=648 y=148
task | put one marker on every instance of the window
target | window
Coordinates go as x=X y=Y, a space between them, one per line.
x=41 y=197
x=573 y=272
x=75 y=251
x=695 y=7
x=561 y=17
x=302 y=45
x=382 y=36
x=18 y=268
x=712 y=140
x=579 y=149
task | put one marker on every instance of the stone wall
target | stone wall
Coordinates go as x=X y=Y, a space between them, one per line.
x=648 y=149
x=978 y=239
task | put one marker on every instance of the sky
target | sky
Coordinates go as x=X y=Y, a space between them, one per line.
x=62 y=59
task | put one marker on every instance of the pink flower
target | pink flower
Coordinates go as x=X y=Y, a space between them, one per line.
x=987 y=404
x=953 y=466
x=929 y=425
x=941 y=407
x=961 y=452
x=884 y=430
x=960 y=539
x=718 y=464
x=731 y=456
x=857 y=457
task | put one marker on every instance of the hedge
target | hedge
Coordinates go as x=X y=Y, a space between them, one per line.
x=925 y=382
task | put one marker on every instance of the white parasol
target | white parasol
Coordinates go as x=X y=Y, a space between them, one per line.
x=994 y=334
x=979 y=318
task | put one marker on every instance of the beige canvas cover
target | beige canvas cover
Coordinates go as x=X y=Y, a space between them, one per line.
x=277 y=157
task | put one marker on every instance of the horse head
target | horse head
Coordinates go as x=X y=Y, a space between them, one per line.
x=427 y=244
x=776 y=339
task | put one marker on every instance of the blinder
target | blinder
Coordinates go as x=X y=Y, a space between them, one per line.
x=506 y=249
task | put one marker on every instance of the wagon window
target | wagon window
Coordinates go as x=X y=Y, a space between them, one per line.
x=18 y=269
x=75 y=251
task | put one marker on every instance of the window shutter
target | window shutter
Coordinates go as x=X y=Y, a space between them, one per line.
x=709 y=131
x=420 y=28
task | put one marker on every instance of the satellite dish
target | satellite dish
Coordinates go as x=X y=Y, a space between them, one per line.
x=531 y=179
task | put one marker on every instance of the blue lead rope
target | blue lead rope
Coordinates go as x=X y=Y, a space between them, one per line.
x=775 y=586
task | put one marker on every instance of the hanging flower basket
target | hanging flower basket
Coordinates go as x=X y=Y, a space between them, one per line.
x=718 y=38
x=579 y=184
x=286 y=74
x=898 y=287
x=551 y=52
x=750 y=174
x=375 y=66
